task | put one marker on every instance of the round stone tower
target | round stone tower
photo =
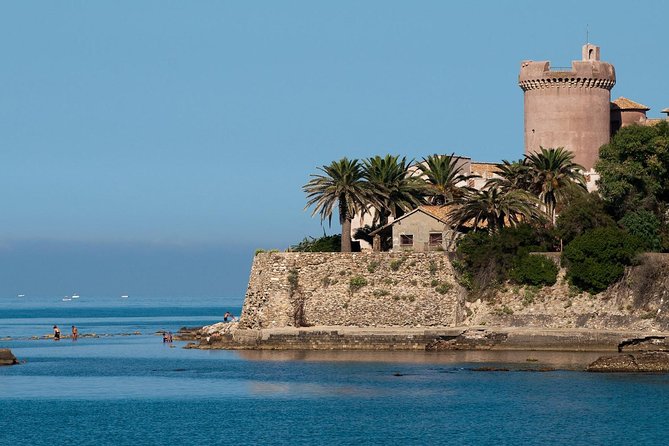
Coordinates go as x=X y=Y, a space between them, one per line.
x=568 y=107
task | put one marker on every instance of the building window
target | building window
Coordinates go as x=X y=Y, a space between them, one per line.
x=436 y=238
x=406 y=240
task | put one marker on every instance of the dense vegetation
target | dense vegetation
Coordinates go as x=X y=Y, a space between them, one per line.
x=327 y=243
x=486 y=260
x=538 y=203
x=597 y=258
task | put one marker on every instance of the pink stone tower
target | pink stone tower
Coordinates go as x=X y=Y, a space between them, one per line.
x=568 y=107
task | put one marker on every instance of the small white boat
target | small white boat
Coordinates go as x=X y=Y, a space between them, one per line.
x=66 y=298
x=75 y=296
x=20 y=295
x=125 y=296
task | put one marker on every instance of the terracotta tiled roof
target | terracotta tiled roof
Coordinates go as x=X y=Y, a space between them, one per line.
x=484 y=167
x=438 y=212
x=628 y=104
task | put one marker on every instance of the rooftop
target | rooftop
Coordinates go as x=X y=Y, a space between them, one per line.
x=628 y=104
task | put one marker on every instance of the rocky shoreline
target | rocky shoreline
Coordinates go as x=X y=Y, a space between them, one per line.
x=650 y=351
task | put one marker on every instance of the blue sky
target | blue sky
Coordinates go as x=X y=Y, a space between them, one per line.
x=150 y=147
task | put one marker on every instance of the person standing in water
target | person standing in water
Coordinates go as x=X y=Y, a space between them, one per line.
x=75 y=333
x=56 y=333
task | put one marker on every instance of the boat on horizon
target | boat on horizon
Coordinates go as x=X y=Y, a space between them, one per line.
x=124 y=296
x=66 y=298
x=20 y=295
x=75 y=296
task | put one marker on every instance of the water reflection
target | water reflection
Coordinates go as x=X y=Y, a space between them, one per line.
x=558 y=360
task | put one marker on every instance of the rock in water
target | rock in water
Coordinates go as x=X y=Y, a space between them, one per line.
x=653 y=362
x=7 y=357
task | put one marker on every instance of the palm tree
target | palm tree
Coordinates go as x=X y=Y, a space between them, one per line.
x=554 y=176
x=442 y=173
x=393 y=190
x=512 y=175
x=340 y=184
x=495 y=208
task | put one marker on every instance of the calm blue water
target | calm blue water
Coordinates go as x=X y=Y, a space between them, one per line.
x=136 y=390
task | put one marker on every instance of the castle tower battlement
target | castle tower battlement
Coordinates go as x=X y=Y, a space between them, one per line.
x=568 y=106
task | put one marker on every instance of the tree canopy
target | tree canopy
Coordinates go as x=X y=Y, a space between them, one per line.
x=634 y=169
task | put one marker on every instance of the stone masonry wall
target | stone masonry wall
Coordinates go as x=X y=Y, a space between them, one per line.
x=352 y=289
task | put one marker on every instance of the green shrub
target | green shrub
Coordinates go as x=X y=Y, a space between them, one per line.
x=260 y=251
x=598 y=258
x=327 y=243
x=373 y=265
x=584 y=212
x=443 y=288
x=380 y=293
x=504 y=311
x=356 y=282
x=486 y=260
x=535 y=270
x=396 y=264
x=433 y=267
x=529 y=295
x=645 y=226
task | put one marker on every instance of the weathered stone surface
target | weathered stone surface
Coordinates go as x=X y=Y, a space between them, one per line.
x=644 y=344
x=407 y=338
x=352 y=289
x=515 y=338
x=7 y=357
x=653 y=362
x=639 y=302
x=474 y=339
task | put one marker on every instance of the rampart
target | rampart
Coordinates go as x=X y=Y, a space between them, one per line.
x=357 y=289
x=411 y=301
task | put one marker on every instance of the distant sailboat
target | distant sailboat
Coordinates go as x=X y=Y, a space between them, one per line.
x=20 y=295
x=75 y=296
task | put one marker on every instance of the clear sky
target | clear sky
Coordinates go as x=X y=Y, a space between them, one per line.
x=149 y=147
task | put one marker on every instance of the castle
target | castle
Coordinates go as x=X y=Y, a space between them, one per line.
x=571 y=107
x=566 y=107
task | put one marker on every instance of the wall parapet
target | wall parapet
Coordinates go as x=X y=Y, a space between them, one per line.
x=566 y=81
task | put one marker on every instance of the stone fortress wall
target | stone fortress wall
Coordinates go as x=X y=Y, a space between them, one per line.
x=420 y=290
x=364 y=289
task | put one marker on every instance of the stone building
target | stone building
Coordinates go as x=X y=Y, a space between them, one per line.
x=480 y=172
x=566 y=107
x=426 y=228
x=571 y=107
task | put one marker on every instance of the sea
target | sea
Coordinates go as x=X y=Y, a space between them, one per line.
x=119 y=384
